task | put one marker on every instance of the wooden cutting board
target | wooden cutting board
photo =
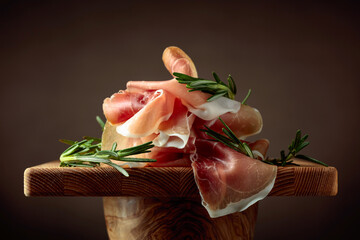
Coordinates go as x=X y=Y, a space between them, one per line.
x=49 y=179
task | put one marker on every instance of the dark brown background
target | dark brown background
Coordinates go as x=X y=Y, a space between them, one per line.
x=60 y=60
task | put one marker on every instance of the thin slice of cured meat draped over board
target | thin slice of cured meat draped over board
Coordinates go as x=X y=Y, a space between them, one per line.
x=228 y=180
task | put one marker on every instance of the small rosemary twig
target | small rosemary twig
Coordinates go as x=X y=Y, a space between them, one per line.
x=294 y=148
x=88 y=153
x=233 y=142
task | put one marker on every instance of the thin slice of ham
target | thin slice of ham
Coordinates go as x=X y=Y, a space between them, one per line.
x=147 y=120
x=228 y=180
x=175 y=132
x=123 y=105
x=245 y=122
x=176 y=60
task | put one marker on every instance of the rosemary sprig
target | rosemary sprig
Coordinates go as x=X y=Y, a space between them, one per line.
x=233 y=142
x=294 y=148
x=88 y=153
x=229 y=139
x=216 y=88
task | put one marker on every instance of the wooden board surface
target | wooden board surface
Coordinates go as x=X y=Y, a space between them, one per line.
x=49 y=179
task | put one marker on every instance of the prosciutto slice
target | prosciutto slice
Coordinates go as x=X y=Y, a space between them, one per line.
x=123 y=105
x=228 y=180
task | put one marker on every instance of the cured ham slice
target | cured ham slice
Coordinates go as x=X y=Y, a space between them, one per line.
x=123 y=105
x=228 y=180
x=176 y=60
x=175 y=132
x=259 y=148
x=148 y=119
x=245 y=122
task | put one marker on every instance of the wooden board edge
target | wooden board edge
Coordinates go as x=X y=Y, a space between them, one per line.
x=288 y=183
x=34 y=179
x=324 y=181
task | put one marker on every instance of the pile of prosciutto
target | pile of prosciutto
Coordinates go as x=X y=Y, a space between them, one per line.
x=166 y=113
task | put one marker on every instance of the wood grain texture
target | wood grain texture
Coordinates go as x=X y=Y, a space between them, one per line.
x=51 y=180
x=135 y=218
x=164 y=203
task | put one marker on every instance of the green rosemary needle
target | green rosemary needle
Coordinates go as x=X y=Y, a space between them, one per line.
x=216 y=88
x=101 y=122
x=246 y=97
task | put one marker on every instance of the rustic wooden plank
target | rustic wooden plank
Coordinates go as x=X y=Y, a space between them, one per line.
x=49 y=179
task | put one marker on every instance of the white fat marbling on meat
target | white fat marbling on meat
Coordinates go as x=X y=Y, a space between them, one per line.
x=214 y=109
x=175 y=139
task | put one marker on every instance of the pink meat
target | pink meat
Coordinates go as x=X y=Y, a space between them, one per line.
x=246 y=122
x=225 y=176
x=175 y=60
x=123 y=105
x=179 y=90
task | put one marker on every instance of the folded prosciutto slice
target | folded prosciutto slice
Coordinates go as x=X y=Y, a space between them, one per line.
x=166 y=113
x=230 y=181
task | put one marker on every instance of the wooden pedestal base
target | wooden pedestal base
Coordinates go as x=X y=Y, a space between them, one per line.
x=131 y=218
